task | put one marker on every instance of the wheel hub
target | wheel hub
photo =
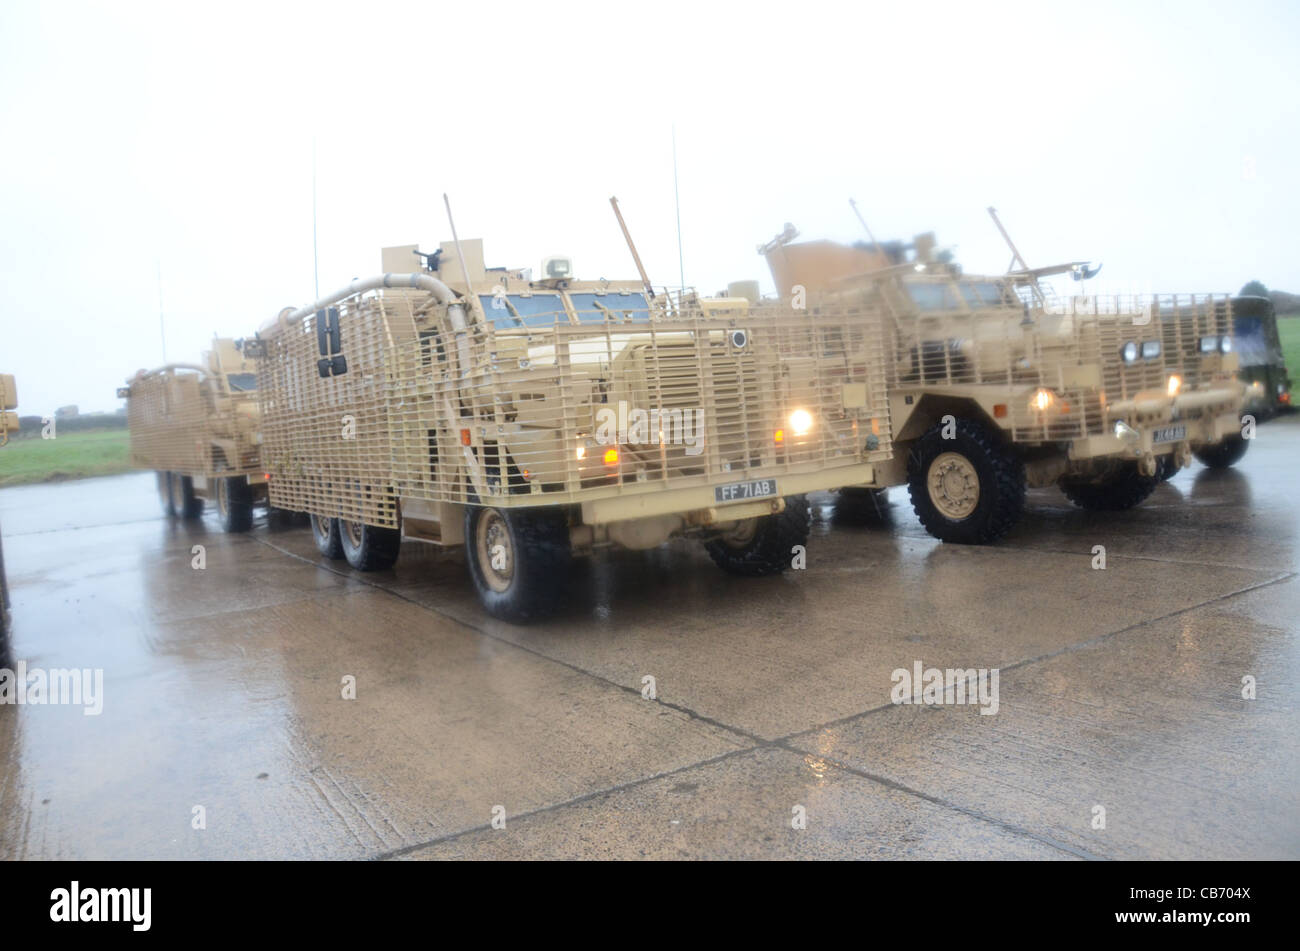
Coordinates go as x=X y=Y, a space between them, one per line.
x=954 y=485
x=496 y=555
x=353 y=532
x=741 y=534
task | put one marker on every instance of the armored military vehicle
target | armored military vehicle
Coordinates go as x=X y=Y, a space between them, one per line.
x=995 y=385
x=196 y=426
x=533 y=419
x=8 y=403
x=8 y=424
x=1259 y=350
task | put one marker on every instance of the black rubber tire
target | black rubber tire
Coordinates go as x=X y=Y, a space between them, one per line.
x=165 y=494
x=234 y=503
x=1122 y=491
x=375 y=550
x=328 y=537
x=1001 y=476
x=186 y=504
x=539 y=540
x=768 y=551
x=1224 y=454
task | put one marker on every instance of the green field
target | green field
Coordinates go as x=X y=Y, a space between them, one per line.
x=1288 y=328
x=96 y=452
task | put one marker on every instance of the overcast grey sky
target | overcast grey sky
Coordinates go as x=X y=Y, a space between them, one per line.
x=1160 y=138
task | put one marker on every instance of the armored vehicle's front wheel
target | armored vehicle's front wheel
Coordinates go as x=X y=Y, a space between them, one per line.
x=1223 y=454
x=328 y=536
x=763 y=546
x=967 y=489
x=235 y=503
x=368 y=548
x=518 y=559
x=1118 y=492
x=185 y=503
x=165 y=494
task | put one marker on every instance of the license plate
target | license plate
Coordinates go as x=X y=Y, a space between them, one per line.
x=1169 y=434
x=740 y=491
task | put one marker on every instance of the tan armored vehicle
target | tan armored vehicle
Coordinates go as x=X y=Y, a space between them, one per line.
x=8 y=403
x=995 y=385
x=8 y=424
x=533 y=419
x=196 y=425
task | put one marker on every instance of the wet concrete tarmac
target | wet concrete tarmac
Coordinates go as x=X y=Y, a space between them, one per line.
x=1119 y=690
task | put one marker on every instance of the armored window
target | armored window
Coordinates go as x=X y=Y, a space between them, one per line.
x=618 y=307
x=516 y=310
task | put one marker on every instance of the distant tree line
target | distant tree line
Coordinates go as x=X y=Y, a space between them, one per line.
x=32 y=425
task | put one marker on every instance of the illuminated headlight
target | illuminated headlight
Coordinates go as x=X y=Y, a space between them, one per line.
x=1124 y=431
x=581 y=452
x=1150 y=349
x=1175 y=384
x=1225 y=344
x=1042 y=401
x=1209 y=344
x=801 y=422
x=1129 y=352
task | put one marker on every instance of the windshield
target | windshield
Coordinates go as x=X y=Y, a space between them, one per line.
x=928 y=296
x=242 y=382
x=517 y=310
x=594 y=308
x=982 y=293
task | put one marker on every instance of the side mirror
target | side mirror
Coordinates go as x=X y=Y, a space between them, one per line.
x=123 y=392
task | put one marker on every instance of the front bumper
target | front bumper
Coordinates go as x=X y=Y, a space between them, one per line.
x=1206 y=416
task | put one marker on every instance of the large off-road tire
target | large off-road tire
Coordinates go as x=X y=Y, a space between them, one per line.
x=328 y=536
x=763 y=546
x=186 y=504
x=1224 y=454
x=968 y=489
x=165 y=494
x=368 y=548
x=235 y=503
x=518 y=559
x=1119 y=492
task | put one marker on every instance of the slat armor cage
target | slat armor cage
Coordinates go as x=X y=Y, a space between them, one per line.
x=186 y=421
x=947 y=332
x=379 y=399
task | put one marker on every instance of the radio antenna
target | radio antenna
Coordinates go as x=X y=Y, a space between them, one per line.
x=460 y=257
x=632 y=247
x=677 y=199
x=863 y=222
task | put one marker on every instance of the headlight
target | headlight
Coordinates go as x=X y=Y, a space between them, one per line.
x=1209 y=344
x=801 y=422
x=1150 y=349
x=1225 y=344
x=1174 y=385
x=1042 y=401
x=1129 y=352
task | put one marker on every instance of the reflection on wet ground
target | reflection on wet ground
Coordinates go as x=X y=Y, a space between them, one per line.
x=1120 y=689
